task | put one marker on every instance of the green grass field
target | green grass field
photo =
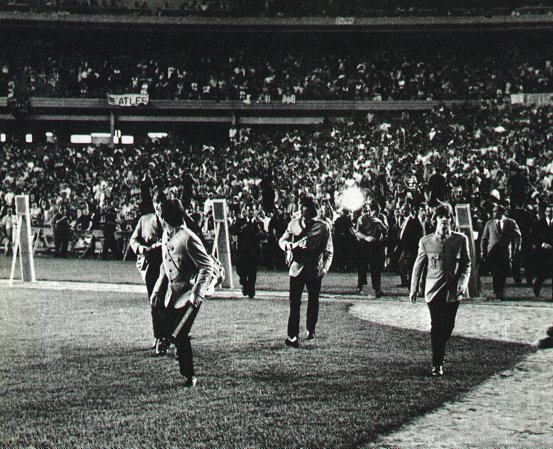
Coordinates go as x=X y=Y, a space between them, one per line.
x=75 y=372
x=72 y=269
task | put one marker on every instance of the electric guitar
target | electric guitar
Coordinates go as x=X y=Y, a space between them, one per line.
x=301 y=243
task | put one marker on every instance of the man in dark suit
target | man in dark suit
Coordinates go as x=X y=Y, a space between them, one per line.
x=411 y=231
x=277 y=226
x=344 y=241
x=249 y=231
x=444 y=256
x=186 y=276
x=308 y=244
x=145 y=241
x=543 y=249
x=62 y=231
x=500 y=242
x=525 y=220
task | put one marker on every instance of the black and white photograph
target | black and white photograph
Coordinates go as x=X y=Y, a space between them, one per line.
x=276 y=224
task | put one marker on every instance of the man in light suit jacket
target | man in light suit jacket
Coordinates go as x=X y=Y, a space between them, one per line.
x=499 y=244
x=145 y=241
x=183 y=282
x=445 y=255
x=308 y=244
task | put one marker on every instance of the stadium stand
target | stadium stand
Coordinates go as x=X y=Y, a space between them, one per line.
x=417 y=71
x=283 y=8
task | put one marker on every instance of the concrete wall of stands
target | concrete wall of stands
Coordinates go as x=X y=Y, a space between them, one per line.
x=205 y=111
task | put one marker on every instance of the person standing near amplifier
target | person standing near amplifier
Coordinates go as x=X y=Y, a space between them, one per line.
x=308 y=245
x=145 y=241
x=445 y=255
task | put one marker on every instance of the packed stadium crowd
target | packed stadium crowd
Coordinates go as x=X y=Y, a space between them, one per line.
x=480 y=155
x=213 y=73
x=285 y=8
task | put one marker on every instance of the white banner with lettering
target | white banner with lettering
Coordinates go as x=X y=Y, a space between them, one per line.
x=128 y=100
x=532 y=99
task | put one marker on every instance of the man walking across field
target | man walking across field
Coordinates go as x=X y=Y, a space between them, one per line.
x=445 y=254
x=249 y=231
x=308 y=244
x=371 y=232
x=146 y=243
x=187 y=275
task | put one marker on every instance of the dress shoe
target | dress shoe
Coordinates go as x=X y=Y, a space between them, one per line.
x=162 y=346
x=310 y=335
x=359 y=291
x=437 y=371
x=549 y=331
x=292 y=342
x=537 y=288
x=190 y=382
x=378 y=294
x=545 y=343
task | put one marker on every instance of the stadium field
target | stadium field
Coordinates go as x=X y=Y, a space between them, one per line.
x=119 y=272
x=76 y=371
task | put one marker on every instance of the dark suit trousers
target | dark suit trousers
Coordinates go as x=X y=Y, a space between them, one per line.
x=406 y=262
x=182 y=340
x=247 y=273
x=297 y=285
x=499 y=271
x=499 y=266
x=159 y=314
x=544 y=266
x=61 y=243
x=371 y=258
x=442 y=316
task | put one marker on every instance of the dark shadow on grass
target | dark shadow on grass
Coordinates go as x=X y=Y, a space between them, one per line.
x=355 y=382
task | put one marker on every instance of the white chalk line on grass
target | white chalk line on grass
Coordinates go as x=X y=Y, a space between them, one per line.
x=119 y=288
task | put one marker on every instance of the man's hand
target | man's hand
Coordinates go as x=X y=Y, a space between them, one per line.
x=156 y=300
x=323 y=272
x=461 y=291
x=147 y=249
x=413 y=297
x=195 y=300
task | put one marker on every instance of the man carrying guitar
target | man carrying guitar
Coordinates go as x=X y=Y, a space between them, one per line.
x=308 y=244
x=371 y=232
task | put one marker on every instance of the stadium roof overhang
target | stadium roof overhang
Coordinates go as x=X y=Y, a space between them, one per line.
x=160 y=24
